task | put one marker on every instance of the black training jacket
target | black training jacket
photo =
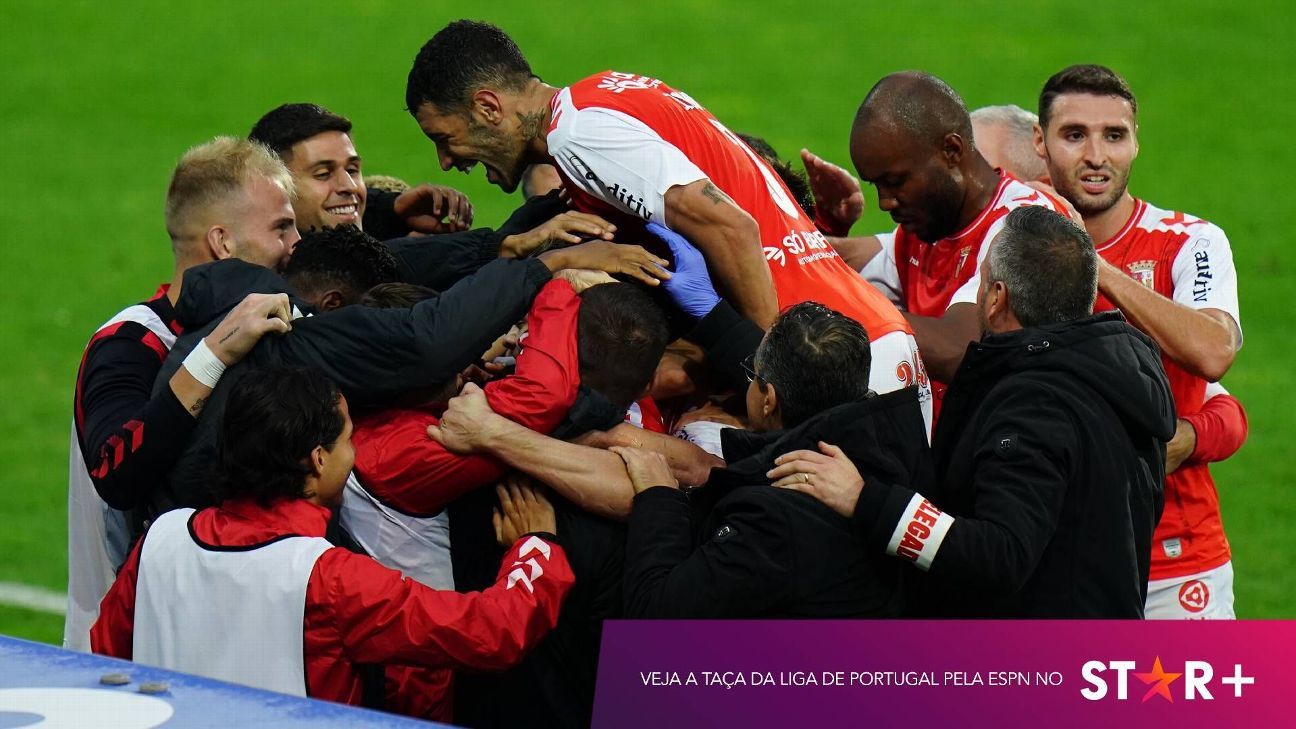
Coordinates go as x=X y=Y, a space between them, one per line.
x=1050 y=455
x=740 y=548
x=374 y=355
x=440 y=261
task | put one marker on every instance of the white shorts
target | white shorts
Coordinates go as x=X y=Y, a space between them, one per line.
x=1203 y=596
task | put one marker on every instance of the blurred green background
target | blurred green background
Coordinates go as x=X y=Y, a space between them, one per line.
x=98 y=100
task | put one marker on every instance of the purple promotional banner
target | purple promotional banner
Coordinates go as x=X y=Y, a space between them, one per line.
x=677 y=674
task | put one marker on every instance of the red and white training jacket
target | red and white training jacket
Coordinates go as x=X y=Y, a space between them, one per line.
x=354 y=611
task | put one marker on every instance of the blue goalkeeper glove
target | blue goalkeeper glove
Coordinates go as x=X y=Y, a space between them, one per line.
x=690 y=285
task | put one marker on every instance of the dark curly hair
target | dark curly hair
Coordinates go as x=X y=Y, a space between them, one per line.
x=344 y=258
x=462 y=57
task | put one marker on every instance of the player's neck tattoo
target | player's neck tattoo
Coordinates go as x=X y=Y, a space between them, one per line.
x=531 y=124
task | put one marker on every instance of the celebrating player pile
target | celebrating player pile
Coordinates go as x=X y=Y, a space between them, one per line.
x=662 y=356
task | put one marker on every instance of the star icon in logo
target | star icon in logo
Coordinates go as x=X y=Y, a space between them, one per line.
x=1161 y=678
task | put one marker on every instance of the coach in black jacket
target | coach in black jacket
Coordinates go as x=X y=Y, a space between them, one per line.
x=1050 y=450
x=736 y=547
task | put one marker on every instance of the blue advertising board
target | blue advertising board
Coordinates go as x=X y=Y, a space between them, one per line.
x=53 y=688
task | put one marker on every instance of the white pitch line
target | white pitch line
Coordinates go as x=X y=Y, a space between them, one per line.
x=33 y=598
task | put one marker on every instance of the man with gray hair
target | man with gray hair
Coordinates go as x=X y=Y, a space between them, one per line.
x=1005 y=137
x=1050 y=457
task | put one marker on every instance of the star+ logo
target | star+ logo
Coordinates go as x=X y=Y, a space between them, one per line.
x=1197 y=677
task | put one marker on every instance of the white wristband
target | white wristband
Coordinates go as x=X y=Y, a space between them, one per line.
x=203 y=365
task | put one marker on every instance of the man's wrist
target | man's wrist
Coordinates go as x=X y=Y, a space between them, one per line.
x=829 y=224
x=204 y=365
x=555 y=260
x=1107 y=276
x=494 y=428
x=1190 y=436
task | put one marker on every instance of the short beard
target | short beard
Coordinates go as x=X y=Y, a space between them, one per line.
x=946 y=205
x=1087 y=206
x=496 y=145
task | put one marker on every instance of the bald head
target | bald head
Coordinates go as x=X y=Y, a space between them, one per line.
x=912 y=140
x=916 y=104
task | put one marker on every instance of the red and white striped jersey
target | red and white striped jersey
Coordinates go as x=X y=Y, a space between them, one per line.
x=1188 y=260
x=620 y=141
x=927 y=278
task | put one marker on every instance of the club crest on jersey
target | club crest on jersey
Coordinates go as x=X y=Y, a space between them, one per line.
x=617 y=82
x=1144 y=272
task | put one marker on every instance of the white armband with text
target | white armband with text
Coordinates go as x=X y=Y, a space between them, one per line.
x=920 y=532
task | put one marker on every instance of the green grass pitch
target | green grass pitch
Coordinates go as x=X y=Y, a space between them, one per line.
x=97 y=100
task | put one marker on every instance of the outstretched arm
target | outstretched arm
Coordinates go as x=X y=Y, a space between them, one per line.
x=593 y=479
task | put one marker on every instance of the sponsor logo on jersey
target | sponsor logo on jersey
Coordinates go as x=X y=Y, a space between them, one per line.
x=908 y=374
x=1202 y=278
x=1144 y=272
x=1194 y=596
x=582 y=169
x=634 y=203
x=619 y=82
x=1172 y=547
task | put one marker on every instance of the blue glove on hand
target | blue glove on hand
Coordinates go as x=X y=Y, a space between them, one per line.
x=690 y=285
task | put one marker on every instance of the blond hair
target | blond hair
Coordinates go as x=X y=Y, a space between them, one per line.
x=211 y=174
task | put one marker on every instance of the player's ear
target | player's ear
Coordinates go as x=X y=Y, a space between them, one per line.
x=220 y=242
x=769 y=400
x=997 y=306
x=1039 y=142
x=488 y=105
x=953 y=147
x=332 y=299
x=316 y=458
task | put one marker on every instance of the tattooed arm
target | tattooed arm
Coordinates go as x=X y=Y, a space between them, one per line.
x=730 y=240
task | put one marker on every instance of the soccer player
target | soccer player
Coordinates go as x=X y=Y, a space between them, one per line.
x=1212 y=434
x=1172 y=275
x=330 y=190
x=227 y=198
x=633 y=149
x=912 y=140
